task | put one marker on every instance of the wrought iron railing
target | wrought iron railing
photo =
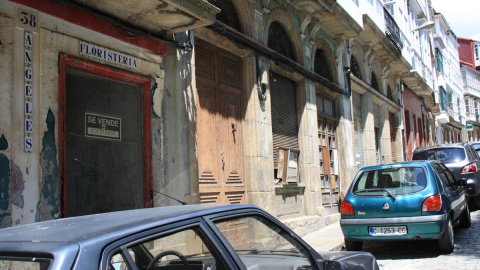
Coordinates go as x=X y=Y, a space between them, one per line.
x=392 y=31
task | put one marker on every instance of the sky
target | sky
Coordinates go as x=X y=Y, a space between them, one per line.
x=462 y=15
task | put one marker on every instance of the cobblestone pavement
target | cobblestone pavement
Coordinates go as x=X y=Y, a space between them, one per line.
x=426 y=255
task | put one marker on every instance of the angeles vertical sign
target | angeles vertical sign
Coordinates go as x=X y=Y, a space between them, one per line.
x=27 y=20
x=28 y=90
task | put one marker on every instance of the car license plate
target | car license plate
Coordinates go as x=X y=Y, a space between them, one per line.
x=387 y=231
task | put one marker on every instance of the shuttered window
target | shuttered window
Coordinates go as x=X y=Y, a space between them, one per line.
x=284 y=114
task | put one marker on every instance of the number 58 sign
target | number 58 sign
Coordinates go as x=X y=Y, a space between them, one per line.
x=28 y=20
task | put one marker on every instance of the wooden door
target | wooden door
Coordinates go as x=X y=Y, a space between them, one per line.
x=219 y=125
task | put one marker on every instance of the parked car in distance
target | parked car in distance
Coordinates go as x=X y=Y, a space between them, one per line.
x=417 y=200
x=462 y=160
x=476 y=145
x=192 y=237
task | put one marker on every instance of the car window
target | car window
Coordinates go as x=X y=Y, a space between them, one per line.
x=260 y=244
x=397 y=181
x=472 y=152
x=24 y=263
x=446 y=155
x=448 y=174
x=443 y=176
x=185 y=249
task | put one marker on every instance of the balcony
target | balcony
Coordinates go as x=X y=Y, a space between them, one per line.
x=418 y=7
x=392 y=31
x=171 y=16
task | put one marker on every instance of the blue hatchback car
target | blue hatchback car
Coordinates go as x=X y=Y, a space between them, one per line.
x=418 y=200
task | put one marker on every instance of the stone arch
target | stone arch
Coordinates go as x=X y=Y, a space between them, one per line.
x=245 y=12
x=282 y=17
x=322 y=45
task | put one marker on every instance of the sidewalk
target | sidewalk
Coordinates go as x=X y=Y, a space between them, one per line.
x=329 y=238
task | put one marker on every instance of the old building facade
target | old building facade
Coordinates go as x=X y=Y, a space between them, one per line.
x=273 y=103
x=469 y=65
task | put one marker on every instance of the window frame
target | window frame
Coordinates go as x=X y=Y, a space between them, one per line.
x=313 y=256
x=210 y=240
x=445 y=181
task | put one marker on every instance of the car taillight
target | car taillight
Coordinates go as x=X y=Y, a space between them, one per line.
x=469 y=168
x=347 y=209
x=432 y=203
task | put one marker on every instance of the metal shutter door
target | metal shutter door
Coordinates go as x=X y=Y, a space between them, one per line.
x=284 y=114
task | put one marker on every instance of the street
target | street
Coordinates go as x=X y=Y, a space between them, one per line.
x=426 y=255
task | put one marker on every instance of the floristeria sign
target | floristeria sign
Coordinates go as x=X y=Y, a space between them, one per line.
x=103 y=126
x=107 y=55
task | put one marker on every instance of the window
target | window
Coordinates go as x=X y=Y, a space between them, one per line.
x=447 y=179
x=374 y=83
x=279 y=41
x=355 y=68
x=260 y=244
x=439 y=56
x=477 y=57
x=173 y=251
x=322 y=66
x=443 y=99
x=390 y=181
x=391 y=9
x=446 y=155
x=389 y=93
x=329 y=175
x=228 y=14
x=325 y=106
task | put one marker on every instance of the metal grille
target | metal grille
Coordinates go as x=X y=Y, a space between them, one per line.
x=355 y=68
x=228 y=14
x=279 y=41
x=322 y=67
x=374 y=83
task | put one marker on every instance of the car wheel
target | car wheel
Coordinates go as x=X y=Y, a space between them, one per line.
x=353 y=245
x=477 y=202
x=466 y=220
x=446 y=243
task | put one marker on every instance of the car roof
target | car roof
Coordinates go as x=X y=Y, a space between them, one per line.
x=450 y=145
x=413 y=163
x=109 y=226
x=69 y=239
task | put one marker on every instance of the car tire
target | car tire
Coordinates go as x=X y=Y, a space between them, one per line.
x=466 y=220
x=353 y=245
x=476 y=201
x=446 y=242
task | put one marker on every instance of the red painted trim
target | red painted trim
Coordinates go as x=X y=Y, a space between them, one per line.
x=93 y=23
x=68 y=62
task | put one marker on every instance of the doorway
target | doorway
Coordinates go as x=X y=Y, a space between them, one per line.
x=220 y=120
x=104 y=126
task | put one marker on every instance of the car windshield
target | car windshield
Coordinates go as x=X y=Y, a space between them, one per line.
x=445 y=155
x=390 y=181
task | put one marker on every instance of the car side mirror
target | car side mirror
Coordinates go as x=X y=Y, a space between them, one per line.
x=334 y=265
x=462 y=182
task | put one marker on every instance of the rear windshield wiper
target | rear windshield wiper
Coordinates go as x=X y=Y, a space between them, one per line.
x=377 y=189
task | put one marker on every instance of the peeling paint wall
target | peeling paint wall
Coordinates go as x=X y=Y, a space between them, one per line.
x=6 y=28
x=30 y=182
x=5 y=213
x=49 y=207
